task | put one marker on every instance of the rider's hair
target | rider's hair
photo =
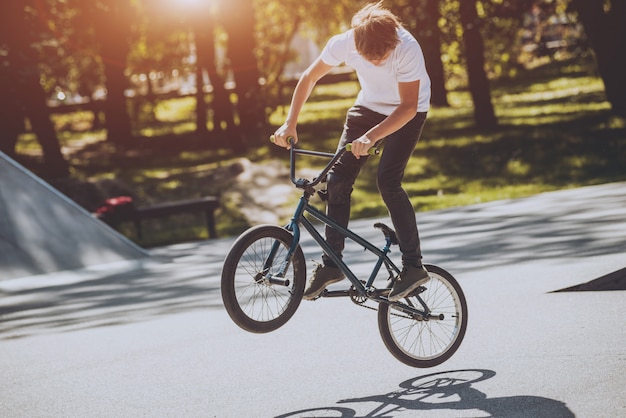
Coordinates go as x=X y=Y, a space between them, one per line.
x=375 y=31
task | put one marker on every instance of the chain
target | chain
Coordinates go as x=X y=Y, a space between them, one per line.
x=361 y=300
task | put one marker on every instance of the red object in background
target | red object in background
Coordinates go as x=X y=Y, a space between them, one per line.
x=115 y=205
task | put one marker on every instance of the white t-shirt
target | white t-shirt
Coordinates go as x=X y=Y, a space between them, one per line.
x=379 y=83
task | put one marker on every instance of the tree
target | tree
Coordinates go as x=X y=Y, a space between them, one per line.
x=279 y=22
x=21 y=93
x=238 y=20
x=484 y=114
x=605 y=24
x=432 y=50
x=111 y=22
x=223 y=110
x=421 y=18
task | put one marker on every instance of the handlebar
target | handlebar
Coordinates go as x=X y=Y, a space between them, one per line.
x=304 y=183
x=348 y=147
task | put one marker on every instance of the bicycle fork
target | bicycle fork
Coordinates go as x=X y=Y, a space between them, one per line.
x=279 y=278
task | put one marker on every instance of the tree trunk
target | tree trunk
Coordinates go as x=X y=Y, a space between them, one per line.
x=606 y=30
x=21 y=90
x=115 y=108
x=30 y=102
x=12 y=114
x=39 y=115
x=429 y=35
x=223 y=111
x=201 y=107
x=239 y=21
x=484 y=115
x=112 y=29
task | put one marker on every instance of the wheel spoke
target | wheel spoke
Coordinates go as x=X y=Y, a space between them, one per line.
x=424 y=342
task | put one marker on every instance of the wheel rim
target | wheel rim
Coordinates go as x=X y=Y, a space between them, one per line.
x=428 y=339
x=257 y=299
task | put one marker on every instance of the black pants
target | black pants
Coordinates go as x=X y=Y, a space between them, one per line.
x=397 y=151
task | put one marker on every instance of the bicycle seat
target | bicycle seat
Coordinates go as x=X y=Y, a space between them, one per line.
x=387 y=232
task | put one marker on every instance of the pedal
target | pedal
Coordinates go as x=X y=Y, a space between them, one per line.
x=380 y=292
x=419 y=290
x=335 y=293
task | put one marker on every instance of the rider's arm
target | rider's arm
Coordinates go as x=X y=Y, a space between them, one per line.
x=406 y=110
x=301 y=94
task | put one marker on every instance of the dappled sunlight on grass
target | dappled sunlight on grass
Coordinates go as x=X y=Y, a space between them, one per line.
x=517 y=167
x=552 y=134
x=175 y=110
x=319 y=111
x=329 y=92
x=178 y=129
x=548 y=114
x=156 y=174
x=612 y=123
x=460 y=141
x=562 y=88
x=27 y=143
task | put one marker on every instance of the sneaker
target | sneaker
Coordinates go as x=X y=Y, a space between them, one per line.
x=410 y=279
x=323 y=276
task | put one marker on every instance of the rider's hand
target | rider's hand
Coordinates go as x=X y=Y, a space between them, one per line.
x=361 y=146
x=282 y=135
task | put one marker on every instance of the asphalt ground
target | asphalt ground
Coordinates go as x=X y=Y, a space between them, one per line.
x=151 y=337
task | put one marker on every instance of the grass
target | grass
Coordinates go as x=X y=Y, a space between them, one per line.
x=555 y=132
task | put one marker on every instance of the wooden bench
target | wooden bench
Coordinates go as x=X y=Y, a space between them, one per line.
x=205 y=204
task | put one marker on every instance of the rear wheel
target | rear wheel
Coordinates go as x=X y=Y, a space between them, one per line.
x=254 y=296
x=421 y=342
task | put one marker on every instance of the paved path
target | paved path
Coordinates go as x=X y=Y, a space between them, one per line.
x=155 y=340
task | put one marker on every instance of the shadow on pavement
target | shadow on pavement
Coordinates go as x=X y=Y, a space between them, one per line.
x=443 y=391
x=611 y=281
x=115 y=298
x=479 y=237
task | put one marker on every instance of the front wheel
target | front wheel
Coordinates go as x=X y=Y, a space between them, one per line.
x=255 y=295
x=426 y=342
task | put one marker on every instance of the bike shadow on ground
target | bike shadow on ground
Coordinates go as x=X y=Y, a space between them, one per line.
x=449 y=391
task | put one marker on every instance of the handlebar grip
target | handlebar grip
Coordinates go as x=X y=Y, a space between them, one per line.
x=289 y=139
x=371 y=151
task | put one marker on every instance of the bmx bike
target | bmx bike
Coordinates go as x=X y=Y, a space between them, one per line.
x=264 y=276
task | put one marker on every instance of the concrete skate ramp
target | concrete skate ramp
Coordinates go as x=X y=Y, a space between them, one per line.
x=43 y=231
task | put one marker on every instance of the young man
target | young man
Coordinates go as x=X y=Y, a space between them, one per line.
x=391 y=106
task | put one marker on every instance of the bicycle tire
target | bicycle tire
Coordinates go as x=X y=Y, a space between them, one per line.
x=252 y=303
x=426 y=343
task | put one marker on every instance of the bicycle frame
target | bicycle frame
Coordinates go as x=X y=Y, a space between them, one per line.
x=299 y=219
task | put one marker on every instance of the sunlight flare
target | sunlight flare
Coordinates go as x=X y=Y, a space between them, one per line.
x=190 y=3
